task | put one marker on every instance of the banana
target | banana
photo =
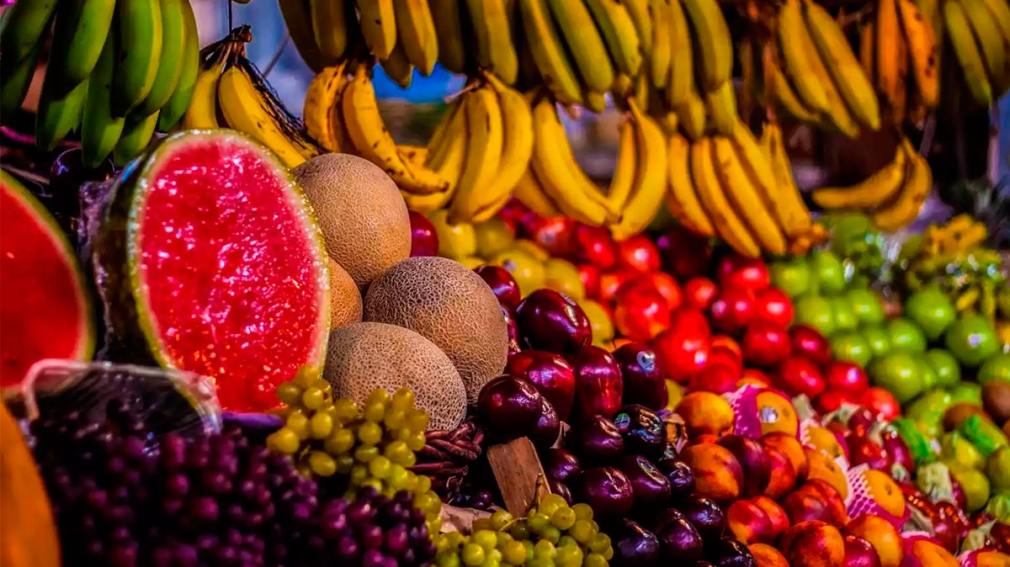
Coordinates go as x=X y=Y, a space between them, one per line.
x=619 y=33
x=530 y=193
x=650 y=179
x=869 y=193
x=746 y=197
x=681 y=79
x=22 y=27
x=724 y=219
x=904 y=207
x=139 y=32
x=848 y=75
x=320 y=99
x=783 y=94
x=721 y=106
x=329 y=27
x=691 y=116
x=452 y=43
x=135 y=138
x=58 y=115
x=623 y=179
x=757 y=166
x=639 y=12
x=415 y=30
x=299 y=23
x=661 y=53
x=483 y=152
x=549 y=52
x=967 y=51
x=793 y=211
x=1000 y=12
x=682 y=198
x=78 y=38
x=993 y=44
x=495 y=50
x=202 y=110
x=17 y=78
x=178 y=102
x=397 y=67
x=100 y=127
x=888 y=49
x=923 y=51
x=245 y=109
x=584 y=43
x=378 y=26
x=517 y=147
x=715 y=47
x=445 y=155
x=838 y=111
x=868 y=50
x=797 y=60
x=173 y=20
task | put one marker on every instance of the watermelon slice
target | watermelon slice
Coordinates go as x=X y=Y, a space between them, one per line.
x=44 y=309
x=210 y=258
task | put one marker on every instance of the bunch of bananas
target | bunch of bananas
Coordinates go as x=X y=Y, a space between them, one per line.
x=116 y=70
x=230 y=92
x=961 y=234
x=979 y=33
x=892 y=196
x=811 y=73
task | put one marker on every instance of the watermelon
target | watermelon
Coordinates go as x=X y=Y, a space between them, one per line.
x=45 y=311
x=209 y=260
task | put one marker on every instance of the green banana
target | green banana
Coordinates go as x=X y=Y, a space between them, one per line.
x=100 y=128
x=176 y=106
x=22 y=27
x=620 y=34
x=57 y=115
x=17 y=77
x=135 y=137
x=584 y=43
x=549 y=52
x=139 y=33
x=967 y=51
x=80 y=31
x=174 y=26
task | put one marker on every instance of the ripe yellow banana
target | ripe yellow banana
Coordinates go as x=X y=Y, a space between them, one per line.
x=745 y=196
x=299 y=23
x=483 y=152
x=1000 y=12
x=619 y=33
x=758 y=168
x=691 y=116
x=517 y=147
x=662 y=43
x=994 y=46
x=838 y=111
x=923 y=51
x=398 y=67
x=415 y=30
x=868 y=50
x=244 y=109
x=715 y=47
x=888 y=49
x=495 y=50
x=798 y=59
x=378 y=26
x=794 y=211
x=549 y=52
x=682 y=197
x=449 y=30
x=584 y=43
x=681 y=80
x=650 y=179
x=639 y=12
x=904 y=207
x=624 y=170
x=848 y=75
x=721 y=106
x=445 y=153
x=532 y=194
x=318 y=112
x=967 y=51
x=202 y=111
x=725 y=220
x=329 y=27
x=781 y=91
x=869 y=193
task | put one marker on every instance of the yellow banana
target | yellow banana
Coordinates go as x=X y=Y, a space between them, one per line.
x=691 y=115
x=781 y=91
x=483 y=152
x=495 y=50
x=619 y=33
x=444 y=155
x=758 y=168
x=869 y=193
x=994 y=46
x=746 y=197
x=584 y=43
x=681 y=80
x=798 y=59
x=449 y=30
x=868 y=50
x=838 y=111
x=378 y=26
x=398 y=67
x=415 y=31
x=710 y=192
x=967 y=51
x=650 y=181
x=848 y=75
x=202 y=111
x=715 y=47
x=549 y=52
x=1000 y=12
x=682 y=197
x=923 y=51
x=243 y=108
x=329 y=27
x=662 y=43
x=888 y=49
x=624 y=170
x=320 y=99
x=794 y=211
x=298 y=20
x=530 y=193
x=517 y=147
x=639 y=12
x=904 y=207
x=721 y=106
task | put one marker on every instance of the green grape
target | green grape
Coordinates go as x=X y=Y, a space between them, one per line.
x=473 y=554
x=284 y=440
x=379 y=467
x=321 y=425
x=369 y=433
x=582 y=531
x=428 y=502
x=298 y=423
x=520 y=531
x=551 y=534
x=417 y=420
x=377 y=396
x=322 y=464
x=417 y=441
x=397 y=478
x=346 y=410
x=583 y=511
x=493 y=555
x=448 y=560
x=567 y=541
x=563 y=518
x=289 y=393
x=482 y=524
x=394 y=418
x=551 y=503
x=339 y=442
x=398 y=452
x=514 y=552
x=570 y=556
x=500 y=518
x=364 y=454
x=503 y=538
x=594 y=560
x=403 y=399
x=538 y=522
x=423 y=484
x=485 y=538
x=600 y=543
x=373 y=482
x=313 y=398
x=540 y=562
x=359 y=474
x=544 y=549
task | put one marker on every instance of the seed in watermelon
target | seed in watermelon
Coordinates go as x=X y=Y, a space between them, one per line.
x=226 y=267
x=44 y=309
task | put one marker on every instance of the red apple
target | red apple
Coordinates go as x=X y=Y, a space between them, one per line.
x=502 y=284
x=612 y=281
x=813 y=502
x=859 y=553
x=773 y=305
x=551 y=321
x=639 y=254
x=548 y=427
x=716 y=378
x=846 y=376
x=644 y=383
x=423 y=238
x=723 y=356
x=593 y=245
x=755 y=376
x=700 y=292
x=598 y=382
x=743 y=272
x=730 y=345
x=811 y=342
x=554 y=234
x=882 y=402
x=550 y=373
x=684 y=253
x=776 y=515
x=640 y=313
x=897 y=450
x=863 y=449
x=662 y=283
x=682 y=349
x=798 y=374
x=782 y=476
x=509 y=406
x=831 y=400
x=732 y=309
x=765 y=343
x=590 y=276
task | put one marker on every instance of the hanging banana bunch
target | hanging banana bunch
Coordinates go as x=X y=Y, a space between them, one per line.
x=979 y=35
x=116 y=70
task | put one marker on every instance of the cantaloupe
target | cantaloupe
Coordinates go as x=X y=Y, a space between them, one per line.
x=452 y=307
x=360 y=211
x=366 y=356
x=345 y=299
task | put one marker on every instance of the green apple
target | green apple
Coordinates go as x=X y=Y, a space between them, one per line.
x=901 y=373
x=851 y=346
x=996 y=367
x=954 y=447
x=931 y=309
x=815 y=311
x=828 y=270
x=966 y=392
x=973 y=482
x=946 y=367
x=876 y=336
x=791 y=276
x=845 y=316
x=866 y=305
x=997 y=468
x=927 y=410
x=906 y=335
x=929 y=377
x=971 y=339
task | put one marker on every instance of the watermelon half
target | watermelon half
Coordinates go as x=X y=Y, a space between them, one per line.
x=211 y=260
x=45 y=310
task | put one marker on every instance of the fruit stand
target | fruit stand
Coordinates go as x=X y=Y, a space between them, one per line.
x=658 y=282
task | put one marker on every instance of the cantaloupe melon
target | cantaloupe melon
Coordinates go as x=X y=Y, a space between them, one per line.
x=360 y=211
x=345 y=299
x=452 y=307
x=366 y=356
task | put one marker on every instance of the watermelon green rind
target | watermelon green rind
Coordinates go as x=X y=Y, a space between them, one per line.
x=85 y=344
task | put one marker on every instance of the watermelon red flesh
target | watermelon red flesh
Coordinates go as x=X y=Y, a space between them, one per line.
x=228 y=269
x=44 y=310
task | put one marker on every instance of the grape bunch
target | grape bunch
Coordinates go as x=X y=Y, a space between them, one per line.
x=123 y=497
x=372 y=444
x=552 y=534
